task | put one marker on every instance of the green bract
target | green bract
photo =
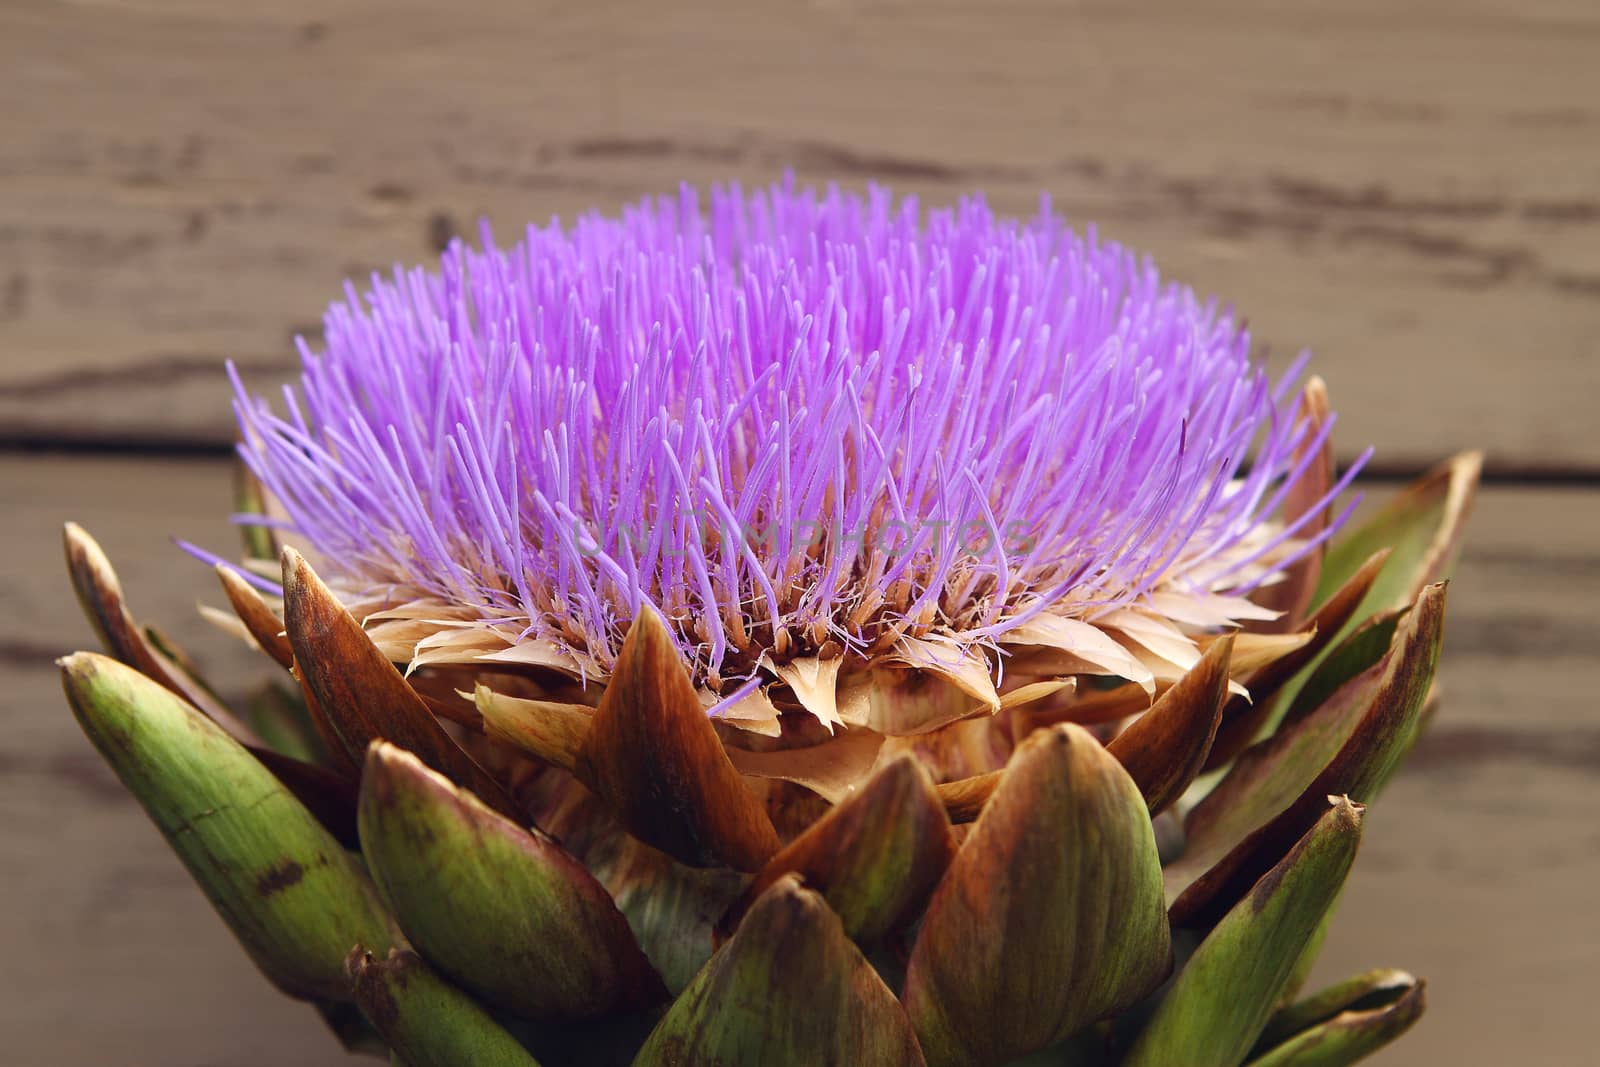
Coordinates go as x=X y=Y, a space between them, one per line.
x=495 y=865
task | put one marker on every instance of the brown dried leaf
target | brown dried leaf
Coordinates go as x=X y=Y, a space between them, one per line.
x=964 y=798
x=551 y=730
x=832 y=769
x=1252 y=652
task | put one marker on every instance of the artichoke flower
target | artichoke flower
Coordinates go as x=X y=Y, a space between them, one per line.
x=799 y=629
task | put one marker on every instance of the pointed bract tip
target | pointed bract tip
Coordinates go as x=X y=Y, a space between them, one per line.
x=1459 y=475
x=84 y=551
x=389 y=768
x=649 y=649
x=81 y=673
x=228 y=574
x=791 y=899
x=382 y=753
x=1427 y=613
x=294 y=566
x=77 y=664
x=791 y=885
x=646 y=634
x=1349 y=813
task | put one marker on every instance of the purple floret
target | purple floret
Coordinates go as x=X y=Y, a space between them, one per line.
x=789 y=421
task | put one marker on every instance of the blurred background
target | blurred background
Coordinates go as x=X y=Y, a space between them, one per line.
x=1410 y=190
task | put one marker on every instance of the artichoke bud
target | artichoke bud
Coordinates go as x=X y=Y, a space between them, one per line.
x=795 y=630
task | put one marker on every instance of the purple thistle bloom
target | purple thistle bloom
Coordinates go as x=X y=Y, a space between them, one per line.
x=795 y=424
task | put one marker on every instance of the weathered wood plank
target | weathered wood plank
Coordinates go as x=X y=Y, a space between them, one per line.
x=108 y=952
x=1480 y=878
x=1409 y=190
x=1477 y=871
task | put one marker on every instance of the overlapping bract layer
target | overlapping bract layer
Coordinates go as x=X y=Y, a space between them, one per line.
x=504 y=909
x=792 y=423
x=921 y=477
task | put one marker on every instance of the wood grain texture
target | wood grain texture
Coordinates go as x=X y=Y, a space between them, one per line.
x=108 y=951
x=1410 y=190
x=1477 y=871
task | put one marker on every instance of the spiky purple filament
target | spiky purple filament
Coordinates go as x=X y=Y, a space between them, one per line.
x=789 y=422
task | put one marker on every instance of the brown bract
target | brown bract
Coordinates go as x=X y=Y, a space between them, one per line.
x=1163 y=750
x=100 y=593
x=1166 y=746
x=363 y=696
x=330 y=799
x=1293 y=595
x=264 y=625
x=652 y=754
x=964 y=798
x=267 y=630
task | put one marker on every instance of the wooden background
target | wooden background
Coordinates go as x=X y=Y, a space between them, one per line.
x=1411 y=190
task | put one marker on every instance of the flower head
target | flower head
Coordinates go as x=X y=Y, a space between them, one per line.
x=806 y=428
x=835 y=504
